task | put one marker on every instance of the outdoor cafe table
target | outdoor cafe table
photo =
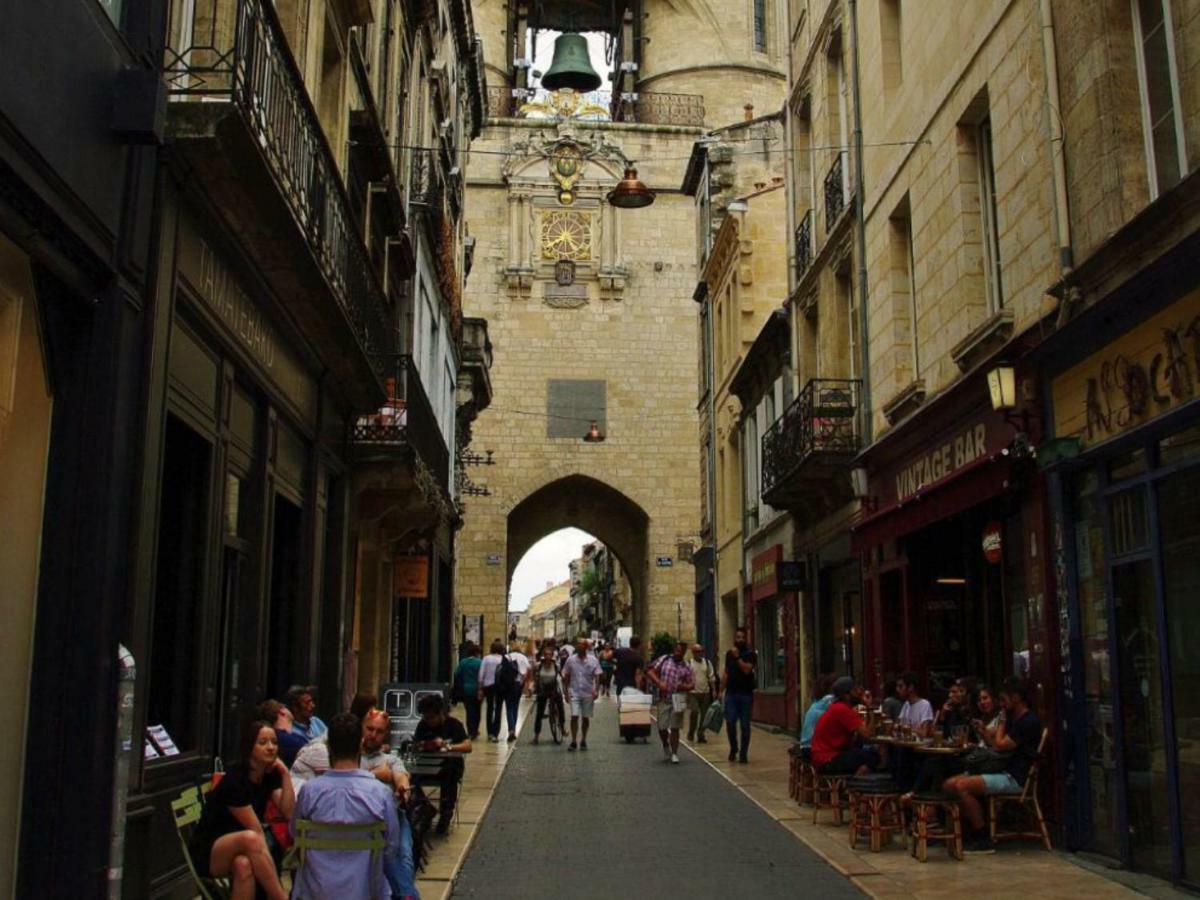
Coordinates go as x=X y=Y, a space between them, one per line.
x=430 y=765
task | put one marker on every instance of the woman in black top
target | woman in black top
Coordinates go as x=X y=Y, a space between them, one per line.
x=229 y=840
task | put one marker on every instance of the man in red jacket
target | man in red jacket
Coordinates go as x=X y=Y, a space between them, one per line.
x=833 y=747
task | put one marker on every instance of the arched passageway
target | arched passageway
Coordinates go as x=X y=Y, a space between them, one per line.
x=595 y=507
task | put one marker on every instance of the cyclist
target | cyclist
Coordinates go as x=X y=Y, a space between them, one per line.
x=546 y=683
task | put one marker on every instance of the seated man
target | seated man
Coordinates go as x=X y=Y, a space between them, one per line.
x=346 y=795
x=439 y=732
x=300 y=700
x=1020 y=734
x=387 y=767
x=822 y=700
x=833 y=748
x=290 y=742
x=917 y=712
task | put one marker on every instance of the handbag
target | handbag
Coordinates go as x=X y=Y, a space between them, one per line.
x=714 y=716
x=985 y=761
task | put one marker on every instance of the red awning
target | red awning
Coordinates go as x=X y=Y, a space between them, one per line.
x=971 y=485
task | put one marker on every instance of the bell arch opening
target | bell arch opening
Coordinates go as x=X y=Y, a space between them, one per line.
x=592 y=506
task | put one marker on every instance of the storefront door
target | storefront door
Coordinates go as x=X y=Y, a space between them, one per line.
x=1137 y=548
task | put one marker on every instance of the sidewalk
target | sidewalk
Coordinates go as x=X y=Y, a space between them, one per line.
x=485 y=765
x=1019 y=867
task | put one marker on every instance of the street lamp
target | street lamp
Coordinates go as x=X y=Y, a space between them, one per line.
x=630 y=192
x=1002 y=385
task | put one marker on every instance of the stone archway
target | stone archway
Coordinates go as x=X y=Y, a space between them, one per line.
x=595 y=507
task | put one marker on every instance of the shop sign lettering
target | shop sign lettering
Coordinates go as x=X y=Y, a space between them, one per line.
x=764 y=570
x=227 y=299
x=963 y=448
x=1148 y=371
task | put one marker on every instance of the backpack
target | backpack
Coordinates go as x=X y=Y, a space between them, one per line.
x=506 y=675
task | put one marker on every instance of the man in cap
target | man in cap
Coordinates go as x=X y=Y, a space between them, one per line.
x=833 y=747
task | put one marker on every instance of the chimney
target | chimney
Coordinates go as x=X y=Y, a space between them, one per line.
x=749 y=110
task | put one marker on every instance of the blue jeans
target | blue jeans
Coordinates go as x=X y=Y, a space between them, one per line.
x=401 y=876
x=737 y=709
x=512 y=703
x=472 y=706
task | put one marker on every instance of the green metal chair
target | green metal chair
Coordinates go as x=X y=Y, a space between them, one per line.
x=313 y=837
x=186 y=810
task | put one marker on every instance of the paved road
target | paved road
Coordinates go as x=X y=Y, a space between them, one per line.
x=618 y=819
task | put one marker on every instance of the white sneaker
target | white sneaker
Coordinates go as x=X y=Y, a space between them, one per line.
x=675 y=758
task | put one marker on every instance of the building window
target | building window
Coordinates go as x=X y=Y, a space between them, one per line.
x=903 y=283
x=114 y=9
x=1159 y=84
x=750 y=453
x=768 y=639
x=890 y=44
x=760 y=26
x=988 y=216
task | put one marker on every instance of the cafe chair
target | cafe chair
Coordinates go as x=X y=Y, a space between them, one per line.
x=827 y=793
x=318 y=837
x=1026 y=804
x=874 y=810
x=801 y=774
x=185 y=811
x=929 y=810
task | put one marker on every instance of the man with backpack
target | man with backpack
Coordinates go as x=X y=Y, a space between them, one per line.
x=511 y=675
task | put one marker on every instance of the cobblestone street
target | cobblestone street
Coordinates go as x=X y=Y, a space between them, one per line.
x=617 y=818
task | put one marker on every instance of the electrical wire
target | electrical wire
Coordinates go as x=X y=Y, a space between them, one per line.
x=586 y=420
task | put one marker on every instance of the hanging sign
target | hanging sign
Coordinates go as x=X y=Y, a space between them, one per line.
x=410 y=577
x=993 y=543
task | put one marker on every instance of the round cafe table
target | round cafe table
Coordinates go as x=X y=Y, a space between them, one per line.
x=944 y=750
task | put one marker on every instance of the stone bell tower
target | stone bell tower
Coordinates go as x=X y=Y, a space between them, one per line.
x=590 y=306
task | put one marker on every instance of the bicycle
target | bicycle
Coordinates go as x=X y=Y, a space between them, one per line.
x=557 y=725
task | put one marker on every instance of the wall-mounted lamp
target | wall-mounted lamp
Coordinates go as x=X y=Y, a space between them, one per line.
x=1002 y=387
x=594 y=434
x=860 y=486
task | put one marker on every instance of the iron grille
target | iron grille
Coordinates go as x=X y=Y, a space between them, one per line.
x=804 y=245
x=821 y=421
x=835 y=192
x=236 y=50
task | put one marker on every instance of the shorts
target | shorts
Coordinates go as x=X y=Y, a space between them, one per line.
x=848 y=762
x=667 y=717
x=1000 y=783
x=582 y=707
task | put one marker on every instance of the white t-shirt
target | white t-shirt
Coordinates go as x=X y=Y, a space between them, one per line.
x=487 y=670
x=914 y=715
x=521 y=660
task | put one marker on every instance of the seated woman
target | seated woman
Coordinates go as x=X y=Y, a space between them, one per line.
x=833 y=748
x=229 y=839
x=439 y=732
x=986 y=722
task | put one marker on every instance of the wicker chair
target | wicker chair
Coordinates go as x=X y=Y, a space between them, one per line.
x=926 y=827
x=874 y=810
x=827 y=793
x=1026 y=801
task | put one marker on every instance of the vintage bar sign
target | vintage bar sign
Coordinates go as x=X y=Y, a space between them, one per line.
x=410 y=577
x=944 y=459
x=1151 y=369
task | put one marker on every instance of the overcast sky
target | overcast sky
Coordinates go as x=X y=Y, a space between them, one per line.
x=547 y=560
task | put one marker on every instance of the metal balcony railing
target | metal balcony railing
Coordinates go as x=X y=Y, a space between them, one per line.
x=236 y=50
x=835 y=192
x=822 y=422
x=426 y=187
x=652 y=108
x=803 y=246
x=405 y=420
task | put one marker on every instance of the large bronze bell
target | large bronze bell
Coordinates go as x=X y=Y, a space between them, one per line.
x=571 y=67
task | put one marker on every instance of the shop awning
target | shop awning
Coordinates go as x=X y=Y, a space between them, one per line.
x=971 y=485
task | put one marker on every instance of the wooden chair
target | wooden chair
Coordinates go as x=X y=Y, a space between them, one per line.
x=806 y=791
x=927 y=809
x=186 y=810
x=874 y=810
x=1026 y=800
x=828 y=791
x=315 y=837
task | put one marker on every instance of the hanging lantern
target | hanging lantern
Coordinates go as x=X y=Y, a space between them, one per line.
x=630 y=192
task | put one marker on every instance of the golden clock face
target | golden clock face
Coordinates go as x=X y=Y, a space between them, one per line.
x=566 y=235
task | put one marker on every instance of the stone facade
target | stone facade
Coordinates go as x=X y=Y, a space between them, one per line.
x=626 y=320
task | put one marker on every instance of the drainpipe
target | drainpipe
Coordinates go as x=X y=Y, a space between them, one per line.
x=864 y=397
x=712 y=460
x=1062 y=213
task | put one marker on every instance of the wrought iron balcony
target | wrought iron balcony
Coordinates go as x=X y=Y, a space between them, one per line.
x=803 y=247
x=835 y=191
x=244 y=126
x=811 y=442
x=426 y=187
x=653 y=108
x=406 y=422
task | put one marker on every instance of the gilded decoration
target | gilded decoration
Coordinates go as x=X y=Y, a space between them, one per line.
x=566 y=234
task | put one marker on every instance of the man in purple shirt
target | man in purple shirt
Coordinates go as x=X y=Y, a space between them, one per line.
x=346 y=794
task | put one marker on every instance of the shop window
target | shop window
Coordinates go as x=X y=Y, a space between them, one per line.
x=1158 y=82
x=1179 y=526
x=287 y=623
x=1100 y=735
x=182 y=550
x=1130 y=526
x=768 y=640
